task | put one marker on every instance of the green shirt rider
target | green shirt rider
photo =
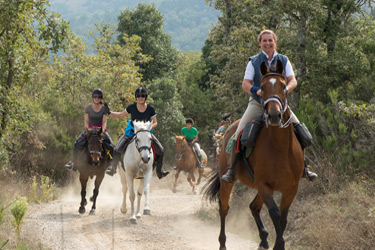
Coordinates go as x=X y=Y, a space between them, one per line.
x=191 y=136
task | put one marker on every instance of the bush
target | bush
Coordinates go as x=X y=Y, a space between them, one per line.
x=18 y=210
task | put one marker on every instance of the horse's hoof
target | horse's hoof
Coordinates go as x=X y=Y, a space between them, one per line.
x=223 y=248
x=138 y=216
x=82 y=210
x=123 y=211
x=174 y=190
x=92 y=212
x=133 y=221
x=147 y=212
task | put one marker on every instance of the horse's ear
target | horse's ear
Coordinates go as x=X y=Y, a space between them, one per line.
x=264 y=68
x=279 y=67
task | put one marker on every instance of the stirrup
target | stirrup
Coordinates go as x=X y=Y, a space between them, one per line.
x=228 y=177
x=308 y=174
x=110 y=171
x=70 y=166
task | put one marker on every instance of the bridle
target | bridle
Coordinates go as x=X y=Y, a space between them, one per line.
x=275 y=98
x=91 y=151
x=136 y=141
x=180 y=153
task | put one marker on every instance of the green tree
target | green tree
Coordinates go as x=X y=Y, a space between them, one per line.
x=28 y=31
x=146 y=22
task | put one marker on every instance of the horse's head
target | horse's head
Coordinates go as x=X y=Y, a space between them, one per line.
x=95 y=140
x=142 y=139
x=273 y=84
x=180 y=146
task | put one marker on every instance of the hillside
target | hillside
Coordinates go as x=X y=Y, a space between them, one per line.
x=187 y=22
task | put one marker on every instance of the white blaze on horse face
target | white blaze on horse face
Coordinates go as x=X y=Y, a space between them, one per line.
x=273 y=81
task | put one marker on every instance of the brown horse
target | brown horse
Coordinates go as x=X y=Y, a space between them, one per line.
x=187 y=162
x=91 y=161
x=276 y=160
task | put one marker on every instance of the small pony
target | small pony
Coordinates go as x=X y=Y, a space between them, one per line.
x=137 y=164
x=187 y=162
x=276 y=162
x=91 y=162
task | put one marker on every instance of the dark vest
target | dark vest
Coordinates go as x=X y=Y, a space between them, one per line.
x=256 y=61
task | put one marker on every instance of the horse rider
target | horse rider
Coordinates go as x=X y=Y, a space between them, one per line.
x=191 y=136
x=267 y=40
x=142 y=111
x=95 y=117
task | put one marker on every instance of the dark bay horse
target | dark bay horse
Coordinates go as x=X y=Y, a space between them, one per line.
x=276 y=160
x=91 y=162
x=187 y=162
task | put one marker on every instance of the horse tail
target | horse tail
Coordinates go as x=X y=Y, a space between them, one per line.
x=211 y=190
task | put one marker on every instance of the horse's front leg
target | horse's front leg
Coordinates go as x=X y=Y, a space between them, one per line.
x=147 y=181
x=139 y=197
x=286 y=201
x=130 y=182
x=98 y=181
x=124 y=190
x=267 y=196
x=175 y=180
x=191 y=180
x=255 y=208
x=83 y=180
x=200 y=174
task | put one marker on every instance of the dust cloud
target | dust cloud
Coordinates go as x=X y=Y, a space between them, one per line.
x=173 y=223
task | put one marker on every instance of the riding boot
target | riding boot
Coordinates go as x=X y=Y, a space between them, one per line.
x=308 y=174
x=111 y=170
x=199 y=163
x=159 y=163
x=230 y=176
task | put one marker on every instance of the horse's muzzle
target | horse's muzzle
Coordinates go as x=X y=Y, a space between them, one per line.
x=274 y=117
x=145 y=159
x=178 y=157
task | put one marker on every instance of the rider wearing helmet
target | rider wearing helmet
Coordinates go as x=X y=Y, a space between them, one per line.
x=95 y=117
x=142 y=111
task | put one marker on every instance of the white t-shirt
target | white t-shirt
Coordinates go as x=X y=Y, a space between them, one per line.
x=249 y=73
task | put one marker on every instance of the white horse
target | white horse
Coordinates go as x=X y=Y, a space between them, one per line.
x=137 y=161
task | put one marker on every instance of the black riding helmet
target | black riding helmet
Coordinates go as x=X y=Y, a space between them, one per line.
x=141 y=90
x=189 y=120
x=98 y=92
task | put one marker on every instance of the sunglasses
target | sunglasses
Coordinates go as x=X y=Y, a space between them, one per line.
x=141 y=95
x=97 y=96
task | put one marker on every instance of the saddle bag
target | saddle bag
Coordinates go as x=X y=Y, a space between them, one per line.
x=250 y=132
x=303 y=135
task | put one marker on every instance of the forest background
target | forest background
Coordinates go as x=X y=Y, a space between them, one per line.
x=48 y=72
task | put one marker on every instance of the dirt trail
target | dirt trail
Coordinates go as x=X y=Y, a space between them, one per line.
x=172 y=225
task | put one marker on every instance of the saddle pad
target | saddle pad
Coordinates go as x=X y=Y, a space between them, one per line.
x=228 y=148
x=203 y=155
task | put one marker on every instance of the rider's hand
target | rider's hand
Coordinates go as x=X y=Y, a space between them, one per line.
x=106 y=107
